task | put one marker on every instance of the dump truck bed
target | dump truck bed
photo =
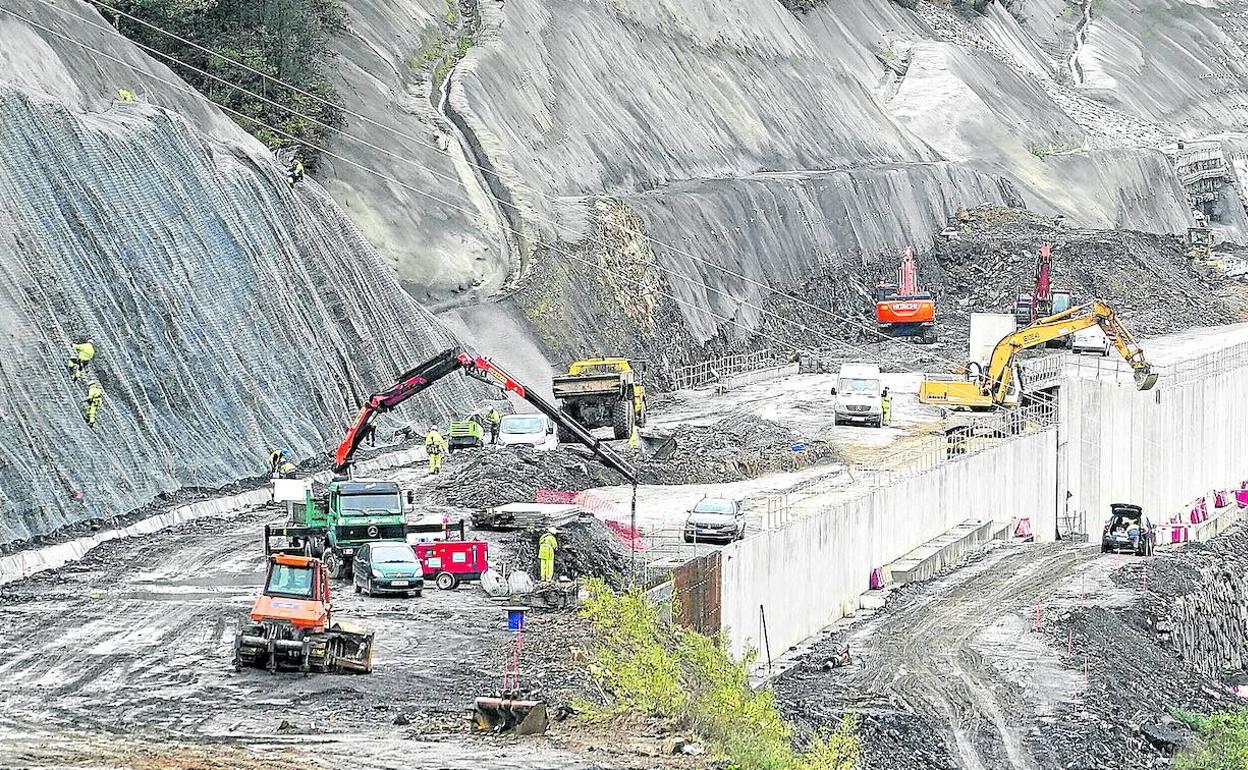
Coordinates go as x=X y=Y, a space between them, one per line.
x=582 y=385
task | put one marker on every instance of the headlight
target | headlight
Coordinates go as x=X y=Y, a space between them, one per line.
x=376 y=573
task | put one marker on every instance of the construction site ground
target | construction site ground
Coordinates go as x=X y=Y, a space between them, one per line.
x=1024 y=656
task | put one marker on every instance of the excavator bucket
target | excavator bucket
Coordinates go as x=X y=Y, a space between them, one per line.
x=523 y=717
x=1145 y=379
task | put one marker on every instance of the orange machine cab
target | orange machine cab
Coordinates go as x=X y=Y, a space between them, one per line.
x=907 y=310
x=296 y=589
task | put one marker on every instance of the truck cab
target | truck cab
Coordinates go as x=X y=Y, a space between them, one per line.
x=350 y=513
x=857 y=395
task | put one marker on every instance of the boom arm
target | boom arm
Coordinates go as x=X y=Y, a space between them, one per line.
x=481 y=368
x=1000 y=373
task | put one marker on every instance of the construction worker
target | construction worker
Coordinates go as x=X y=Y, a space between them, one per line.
x=435 y=447
x=546 y=548
x=83 y=353
x=493 y=419
x=95 y=399
x=294 y=174
x=886 y=408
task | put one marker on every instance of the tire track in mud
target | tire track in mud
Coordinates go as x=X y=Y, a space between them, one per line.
x=921 y=657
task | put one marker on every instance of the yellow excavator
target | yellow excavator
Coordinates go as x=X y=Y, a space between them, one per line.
x=985 y=389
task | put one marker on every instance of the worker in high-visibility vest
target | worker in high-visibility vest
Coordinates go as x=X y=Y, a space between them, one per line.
x=546 y=548
x=494 y=420
x=83 y=353
x=95 y=399
x=435 y=447
x=886 y=408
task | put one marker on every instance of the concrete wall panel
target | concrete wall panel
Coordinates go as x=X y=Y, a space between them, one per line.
x=812 y=571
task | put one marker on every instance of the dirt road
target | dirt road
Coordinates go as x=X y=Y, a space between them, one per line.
x=124 y=659
x=951 y=674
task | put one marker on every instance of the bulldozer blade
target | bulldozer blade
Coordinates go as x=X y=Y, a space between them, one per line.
x=523 y=717
x=1145 y=380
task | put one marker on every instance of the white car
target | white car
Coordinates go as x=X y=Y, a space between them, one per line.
x=526 y=430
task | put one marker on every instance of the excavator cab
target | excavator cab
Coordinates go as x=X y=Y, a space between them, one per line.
x=290 y=626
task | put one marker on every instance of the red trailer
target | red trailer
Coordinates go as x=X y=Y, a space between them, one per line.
x=447 y=562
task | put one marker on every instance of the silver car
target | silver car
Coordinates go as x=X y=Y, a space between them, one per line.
x=715 y=519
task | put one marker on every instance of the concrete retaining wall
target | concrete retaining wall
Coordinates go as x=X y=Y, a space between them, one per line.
x=811 y=571
x=1161 y=449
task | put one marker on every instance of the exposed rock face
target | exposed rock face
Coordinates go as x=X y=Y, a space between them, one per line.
x=230 y=313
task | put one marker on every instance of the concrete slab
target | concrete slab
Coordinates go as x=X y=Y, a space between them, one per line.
x=930 y=558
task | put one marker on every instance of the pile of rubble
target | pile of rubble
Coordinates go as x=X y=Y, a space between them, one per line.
x=1145 y=277
x=587 y=549
x=738 y=447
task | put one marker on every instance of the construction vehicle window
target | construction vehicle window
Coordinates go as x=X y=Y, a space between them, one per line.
x=291 y=581
x=858 y=386
x=371 y=505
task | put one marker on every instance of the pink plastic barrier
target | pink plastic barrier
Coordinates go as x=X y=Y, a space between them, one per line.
x=1022 y=529
x=876 y=581
x=1199 y=512
x=1178 y=534
x=1241 y=498
x=554 y=496
x=1221 y=498
x=626 y=534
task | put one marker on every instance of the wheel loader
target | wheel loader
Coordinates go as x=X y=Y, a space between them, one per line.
x=291 y=626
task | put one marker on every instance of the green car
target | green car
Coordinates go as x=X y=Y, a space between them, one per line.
x=387 y=566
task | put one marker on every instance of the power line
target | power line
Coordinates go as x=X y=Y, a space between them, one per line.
x=534 y=215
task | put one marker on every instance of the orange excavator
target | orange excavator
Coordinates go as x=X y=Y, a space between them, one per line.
x=901 y=309
x=291 y=626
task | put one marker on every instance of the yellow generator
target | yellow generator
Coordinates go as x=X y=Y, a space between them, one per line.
x=601 y=392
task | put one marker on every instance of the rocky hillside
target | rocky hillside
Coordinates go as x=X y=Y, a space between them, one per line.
x=230 y=313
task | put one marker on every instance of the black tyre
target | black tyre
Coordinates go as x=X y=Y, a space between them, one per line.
x=688 y=539
x=622 y=419
x=333 y=564
x=416 y=593
x=357 y=588
x=446 y=581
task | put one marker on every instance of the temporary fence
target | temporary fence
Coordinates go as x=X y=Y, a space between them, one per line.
x=705 y=372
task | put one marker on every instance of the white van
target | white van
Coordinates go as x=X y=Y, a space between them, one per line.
x=857 y=395
x=532 y=430
x=1090 y=340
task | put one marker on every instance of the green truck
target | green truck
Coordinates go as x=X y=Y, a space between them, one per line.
x=331 y=526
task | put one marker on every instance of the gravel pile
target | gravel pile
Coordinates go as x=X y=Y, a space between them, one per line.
x=586 y=549
x=740 y=446
x=1146 y=277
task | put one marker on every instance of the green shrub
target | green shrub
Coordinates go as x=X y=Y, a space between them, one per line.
x=284 y=39
x=646 y=666
x=1223 y=744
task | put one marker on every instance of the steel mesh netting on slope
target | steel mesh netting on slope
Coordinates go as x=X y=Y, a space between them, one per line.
x=229 y=314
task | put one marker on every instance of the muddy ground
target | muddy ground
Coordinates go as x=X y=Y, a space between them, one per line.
x=1026 y=657
x=124 y=659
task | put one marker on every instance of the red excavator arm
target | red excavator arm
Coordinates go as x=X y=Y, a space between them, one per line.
x=453 y=359
x=1042 y=294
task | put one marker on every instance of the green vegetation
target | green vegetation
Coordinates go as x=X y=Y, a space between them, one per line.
x=284 y=39
x=648 y=667
x=1223 y=743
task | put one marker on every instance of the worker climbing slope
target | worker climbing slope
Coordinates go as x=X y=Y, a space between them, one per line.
x=95 y=399
x=436 y=448
x=81 y=359
x=294 y=174
x=280 y=465
x=546 y=548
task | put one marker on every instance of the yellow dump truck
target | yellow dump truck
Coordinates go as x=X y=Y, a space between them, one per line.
x=601 y=392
